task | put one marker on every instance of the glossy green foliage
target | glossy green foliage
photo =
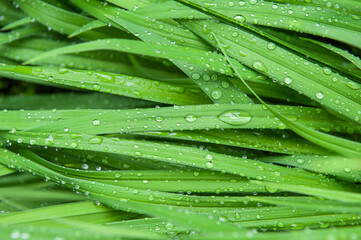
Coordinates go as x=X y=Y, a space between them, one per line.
x=180 y=119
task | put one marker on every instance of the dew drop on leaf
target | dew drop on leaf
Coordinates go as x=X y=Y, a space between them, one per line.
x=270 y=189
x=216 y=94
x=74 y=145
x=235 y=117
x=196 y=76
x=353 y=85
x=96 y=122
x=327 y=71
x=319 y=95
x=49 y=141
x=300 y=161
x=96 y=87
x=242 y=54
x=190 y=118
x=271 y=46
x=169 y=226
x=95 y=140
x=209 y=164
x=258 y=65
x=159 y=118
x=240 y=18
x=288 y=80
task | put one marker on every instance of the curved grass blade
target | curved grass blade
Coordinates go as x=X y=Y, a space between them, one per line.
x=181 y=155
x=4 y=170
x=340 y=145
x=104 y=193
x=61 y=20
x=52 y=212
x=352 y=58
x=17 y=23
x=108 y=62
x=106 y=82
x=290 y=17
x=312 y=203
x=137 y=24
x=19 y=33
x=339 y=233
x=87 y=27
x=191 y=117
x=348 y=6
x=338 y=195
x=194 y=56
x=10 y=13
x=251 y=139
x=72 y=101
x=321 y=55
x=347 y=169
x=314 y=81
x=298 y=223
x=148 y=30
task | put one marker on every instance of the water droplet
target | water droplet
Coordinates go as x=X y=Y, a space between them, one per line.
x=96 y=122
x=258 y=65
x=169 y=226
x=235 y=34
x=288 y=80
x=240 y=18
x=323 y=224
x=196 y=76
x=235 y=117
x=347 y=170
x=271 y=46
x=96 y=87
x=270 y=189
x=95 y=140
x=206 y=77
x=225 y=84
x=300 y=161
x=49 y=141
x=209 y=164
x=190 y=118
x=242 y=54
x=74 y=145
x=241 y=3
x=159 y=119
x=353 y=85
x=281 y=225
x=84 y=166
x=216 y=93
x=319 y=95
x=327 y=71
